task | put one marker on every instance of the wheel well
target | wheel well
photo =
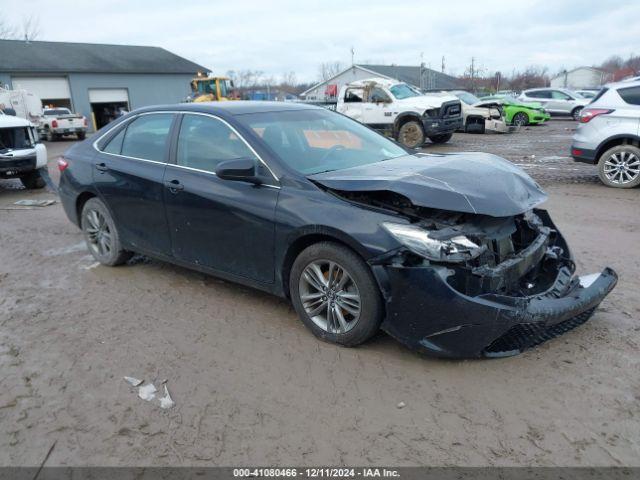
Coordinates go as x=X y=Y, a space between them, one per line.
x=579 y=107
x=298 y=246
x=80 y=201
x=614 y=142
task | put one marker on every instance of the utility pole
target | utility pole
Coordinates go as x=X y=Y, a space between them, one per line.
x=352 y=55
x=472 y=73
x=442 y=68
x=421 y=70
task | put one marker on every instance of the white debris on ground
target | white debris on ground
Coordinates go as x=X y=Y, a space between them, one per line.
x=148 y=392
x=34 y=203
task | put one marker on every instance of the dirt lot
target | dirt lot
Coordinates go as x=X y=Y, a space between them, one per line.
x=253 y=386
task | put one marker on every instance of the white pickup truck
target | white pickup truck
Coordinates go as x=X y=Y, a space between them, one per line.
x=58 y=122
x=21 y=154
x=401 y=111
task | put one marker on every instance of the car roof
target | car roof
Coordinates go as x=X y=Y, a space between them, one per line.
x=239 y=107
x=623 y=84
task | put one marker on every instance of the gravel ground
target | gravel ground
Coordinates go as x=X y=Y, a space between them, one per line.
x=253 y=386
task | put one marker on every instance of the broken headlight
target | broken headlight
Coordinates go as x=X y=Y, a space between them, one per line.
x=454 y=250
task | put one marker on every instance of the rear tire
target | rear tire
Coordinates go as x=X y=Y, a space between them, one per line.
x=619 y=167
x=411 y=134
x=101 y=234
x=33 y=180
x=575 y=113
x=444 y=138
x=49 y=136
x=81 y=135
x=329 y=307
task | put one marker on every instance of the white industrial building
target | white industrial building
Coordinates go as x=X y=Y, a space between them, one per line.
x=581 y=77
x=418 y=76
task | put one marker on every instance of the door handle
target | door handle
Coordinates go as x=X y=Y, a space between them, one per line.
x=102 y=167
x=174 y=186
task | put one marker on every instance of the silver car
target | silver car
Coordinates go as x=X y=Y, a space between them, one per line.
x=556 y=101
x=608 y=135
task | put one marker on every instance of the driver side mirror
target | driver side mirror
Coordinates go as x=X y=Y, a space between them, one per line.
x=238 y=169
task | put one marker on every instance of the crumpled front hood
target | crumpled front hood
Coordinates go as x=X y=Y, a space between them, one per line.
x=461 y=182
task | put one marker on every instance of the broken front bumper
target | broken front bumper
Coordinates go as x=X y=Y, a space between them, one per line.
x=425 y=313
x=441 y=126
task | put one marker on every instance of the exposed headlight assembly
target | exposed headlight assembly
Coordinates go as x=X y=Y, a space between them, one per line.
x=455 y=250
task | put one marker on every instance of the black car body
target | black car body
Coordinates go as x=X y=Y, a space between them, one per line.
x=505 y=281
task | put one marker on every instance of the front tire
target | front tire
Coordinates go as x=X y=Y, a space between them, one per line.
x=520 y=119
x=619 y=167
x=33 y=180
x=444 y=138
x=335 y=294
x=101 y=234
x=411 y=134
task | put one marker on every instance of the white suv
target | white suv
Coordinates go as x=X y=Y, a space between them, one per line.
x=609 y=135
x=556 y=101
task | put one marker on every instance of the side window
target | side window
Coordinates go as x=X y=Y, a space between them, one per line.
x=115 y=144
x=353 y=95
x=378 y=95
x=556 y=95
x=630 y=95
x=541 y=94
x=204 y=142
x=146 y=137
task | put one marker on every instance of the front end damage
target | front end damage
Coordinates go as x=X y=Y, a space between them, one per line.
x=517 y=288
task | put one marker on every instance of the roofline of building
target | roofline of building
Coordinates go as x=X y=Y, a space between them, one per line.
x=565 y=72
x=57 y=73
x=355 y=65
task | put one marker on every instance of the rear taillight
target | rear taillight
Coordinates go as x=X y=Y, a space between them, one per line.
x=63 y=164
x=84 y=119
x=590 y=113
x=54 y=124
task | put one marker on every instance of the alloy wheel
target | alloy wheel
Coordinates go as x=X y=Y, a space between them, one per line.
x=98 y=233
x=411 y=135
x=622 y=167
x=330 y=296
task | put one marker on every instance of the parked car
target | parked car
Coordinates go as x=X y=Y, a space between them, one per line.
x=59 y=122
x=519 y=113
x=449 y=254
x=608 y=135
x=589 y=94
x=556 y=101
x=400 y=111
x=479 y=116
x=21 y=154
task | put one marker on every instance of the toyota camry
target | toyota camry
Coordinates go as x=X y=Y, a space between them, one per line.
x=450 y=254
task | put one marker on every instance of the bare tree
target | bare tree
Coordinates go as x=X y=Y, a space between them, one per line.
x=28 y=30
x=30 y=27
x=289 y=80
x=327 y=70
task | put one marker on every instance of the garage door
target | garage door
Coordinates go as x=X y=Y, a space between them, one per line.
x=47 y=88
x=108 y=95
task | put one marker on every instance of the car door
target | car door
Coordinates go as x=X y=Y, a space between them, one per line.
x=543 y=97
x=128 y=174
x=561 y=102
x=219 y=224
x=377 y=109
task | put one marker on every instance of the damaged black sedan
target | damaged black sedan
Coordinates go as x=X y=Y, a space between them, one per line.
x=449 y=254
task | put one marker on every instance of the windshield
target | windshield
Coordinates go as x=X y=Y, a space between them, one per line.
x=467 y=97
x=314 y=141
x=402 y=90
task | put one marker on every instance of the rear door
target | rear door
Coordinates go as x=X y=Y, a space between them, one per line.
x=128 y=173
x=561 y=102
x=220 y=224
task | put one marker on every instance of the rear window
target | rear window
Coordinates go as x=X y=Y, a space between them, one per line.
x=599 y=94
x=630 y=95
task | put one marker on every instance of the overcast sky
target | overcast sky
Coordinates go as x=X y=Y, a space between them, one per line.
x=280 y=36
